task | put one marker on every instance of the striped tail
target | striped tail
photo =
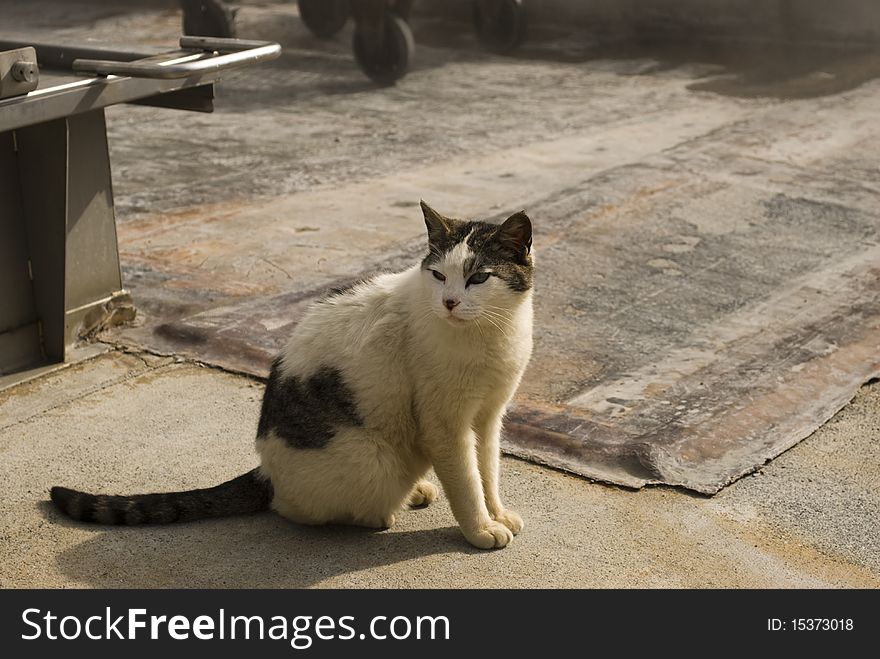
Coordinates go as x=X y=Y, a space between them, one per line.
x=249 y=493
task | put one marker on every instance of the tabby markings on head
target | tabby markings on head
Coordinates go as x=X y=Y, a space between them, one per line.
x=505 y=248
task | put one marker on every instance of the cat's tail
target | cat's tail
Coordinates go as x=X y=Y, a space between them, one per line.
x=248 y=493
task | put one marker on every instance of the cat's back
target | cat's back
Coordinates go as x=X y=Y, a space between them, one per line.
x=350 y=324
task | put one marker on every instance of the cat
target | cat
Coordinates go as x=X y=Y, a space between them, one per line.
x=378 y=383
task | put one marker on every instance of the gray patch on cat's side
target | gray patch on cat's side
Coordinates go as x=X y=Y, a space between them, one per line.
x=306 y=412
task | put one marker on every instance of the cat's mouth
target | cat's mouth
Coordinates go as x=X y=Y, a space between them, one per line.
x=455 y=320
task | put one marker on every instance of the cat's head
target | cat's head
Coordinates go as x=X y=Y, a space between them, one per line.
x=476 y=270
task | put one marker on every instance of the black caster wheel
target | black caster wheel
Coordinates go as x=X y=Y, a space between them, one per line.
x=208 y=18
x=385 y=57
x=324 y=18
x=500 y=24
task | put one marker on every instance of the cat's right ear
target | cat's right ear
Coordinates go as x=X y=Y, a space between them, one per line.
x=438 y=226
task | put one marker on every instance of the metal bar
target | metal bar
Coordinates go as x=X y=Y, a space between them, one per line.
x=59 y=56
x=221 y=45
x=257 y=51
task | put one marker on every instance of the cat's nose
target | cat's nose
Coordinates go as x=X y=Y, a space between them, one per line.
x=451 y=304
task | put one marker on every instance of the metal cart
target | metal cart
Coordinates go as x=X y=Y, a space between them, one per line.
x=383 y=43
x=59 y=261
x=500 y=24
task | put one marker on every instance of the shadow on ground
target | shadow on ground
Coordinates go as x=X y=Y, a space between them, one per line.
x=263 y=551
x=758 y=70
x=732 y=67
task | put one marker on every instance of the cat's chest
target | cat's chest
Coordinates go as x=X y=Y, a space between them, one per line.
x=483 y=364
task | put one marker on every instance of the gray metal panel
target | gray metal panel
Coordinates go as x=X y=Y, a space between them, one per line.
x=16 y=291
x=92 y=263
x=20 y=348
x=196 y=99
x=42 y=160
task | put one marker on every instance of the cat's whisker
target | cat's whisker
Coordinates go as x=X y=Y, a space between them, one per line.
x=498 y=319
x=497 y=326
x=506 y=310
x=497 y=315
x=502 y=311
x=479 y=327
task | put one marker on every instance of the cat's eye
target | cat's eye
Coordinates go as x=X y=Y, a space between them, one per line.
x=478 y=278
x=438 y=276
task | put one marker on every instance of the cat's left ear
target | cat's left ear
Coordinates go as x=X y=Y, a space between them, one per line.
x=516 y=233
x=438 y=226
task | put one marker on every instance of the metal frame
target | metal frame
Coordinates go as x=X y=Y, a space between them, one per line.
x=59 y=263
x=235 y=53
x=90 y=93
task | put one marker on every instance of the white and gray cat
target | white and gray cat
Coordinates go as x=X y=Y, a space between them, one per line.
x=379 y=383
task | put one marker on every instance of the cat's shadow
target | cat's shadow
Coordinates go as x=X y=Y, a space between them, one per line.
x=263 y=551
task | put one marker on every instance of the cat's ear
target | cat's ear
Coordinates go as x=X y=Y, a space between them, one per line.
x=438 y=226
x=516 y=233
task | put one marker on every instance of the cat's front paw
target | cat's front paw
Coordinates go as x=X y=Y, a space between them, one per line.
x=493 y=535
x=510 y=519
x=422 y=494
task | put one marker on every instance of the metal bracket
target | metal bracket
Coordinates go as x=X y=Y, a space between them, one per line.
x=19 y=74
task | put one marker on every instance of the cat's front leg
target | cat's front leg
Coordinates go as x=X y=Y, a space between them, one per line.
x=488 y=428
x=455 y=463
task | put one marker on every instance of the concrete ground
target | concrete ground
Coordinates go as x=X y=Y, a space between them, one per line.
x=124 y=423
x=305 y=160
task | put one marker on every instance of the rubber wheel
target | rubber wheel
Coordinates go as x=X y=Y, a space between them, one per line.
x=391 y=63
x=500 y=24
x=208 y=18
x=324 y=18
